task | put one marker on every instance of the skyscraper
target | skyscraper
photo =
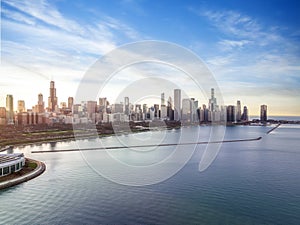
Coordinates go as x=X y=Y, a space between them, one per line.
x=170 y=112
x=91 y=107
x=162 y=99
x=52 y=100
x=41 y=104
x=238 y=111
x=9 y=109
x=177 y=104
x=186 y=109
x=263 y=113
x=21 y=106
x=126 y=105
x=212 y=101
x=2 y=115
x=70 y=102
x=231 y=115
x=156 y=110
x=245 y=116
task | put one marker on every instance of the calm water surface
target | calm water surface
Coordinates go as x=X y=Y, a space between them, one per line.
x=254 y=182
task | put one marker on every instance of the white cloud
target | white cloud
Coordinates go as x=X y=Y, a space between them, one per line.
x=41 y=41
x=233 y=44
x=43 y=11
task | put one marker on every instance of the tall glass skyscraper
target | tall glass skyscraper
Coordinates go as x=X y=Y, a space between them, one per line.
x=238 y=111
x=52 y=100
x=212 y=101
x=9 y=109
x=263 y=113
x=177 y=104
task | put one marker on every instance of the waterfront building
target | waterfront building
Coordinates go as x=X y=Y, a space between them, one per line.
x=238 y=111
x=156 y=110
x=52 y=100
x=212 y=106
x=245 y=114
x=170 y=111
x=186 y=110
x=10 y=163
x=263 y=113
x=231 y=113
x=177 y=104
x=151 y=113
x=138 y=112
x=223 y=112
x=126 y=106
x=206 y=114
x=195 y=112
x=163 y=112
x=9 y=109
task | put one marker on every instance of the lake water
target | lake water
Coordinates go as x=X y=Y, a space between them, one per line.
x=254 y=182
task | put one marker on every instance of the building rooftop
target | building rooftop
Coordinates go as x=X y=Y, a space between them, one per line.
x=6 y=158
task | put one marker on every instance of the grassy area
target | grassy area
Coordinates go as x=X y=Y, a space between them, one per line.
x=31 y=165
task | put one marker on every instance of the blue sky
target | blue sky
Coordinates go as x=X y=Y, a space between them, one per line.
x=252 y=47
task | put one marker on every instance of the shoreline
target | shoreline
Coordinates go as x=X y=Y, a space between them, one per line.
x=40 y=168
x=23 y=143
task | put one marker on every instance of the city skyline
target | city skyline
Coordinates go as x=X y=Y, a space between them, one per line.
x=178 y=104
x=251 y=48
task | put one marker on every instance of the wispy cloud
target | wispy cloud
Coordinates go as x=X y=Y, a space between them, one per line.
x=37 y=37
x=45 y=12
x=252 y=60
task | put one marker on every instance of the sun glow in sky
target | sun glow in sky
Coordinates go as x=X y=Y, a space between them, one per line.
x=251 y=47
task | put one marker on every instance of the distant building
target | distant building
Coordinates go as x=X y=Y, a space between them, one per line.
x=126 y=106
x=238 y=111
x=205 y=113
x=2 y=115
x=170 y=111
x=156 y=110
x=263 y=113
x=91 y=107
x=52 y=100
x=177 y=104
x=245 y=115
x=163 y=112
x=151 y=113
x=21 y=106
x=186 y=110
x=117 y=108
x=231 y=115
x=70 y=102
x=162 y=99
x=102 y=105
x=40 y=108
x=9 y=109
x=213 y=101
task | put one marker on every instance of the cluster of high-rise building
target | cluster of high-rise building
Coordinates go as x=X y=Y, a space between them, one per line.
x=186 y=110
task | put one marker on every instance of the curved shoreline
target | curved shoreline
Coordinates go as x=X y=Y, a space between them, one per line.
x=41 y=167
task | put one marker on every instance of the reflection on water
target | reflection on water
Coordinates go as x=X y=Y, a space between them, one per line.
x=52 y=145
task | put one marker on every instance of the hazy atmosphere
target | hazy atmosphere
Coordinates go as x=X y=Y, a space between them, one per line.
x=252 y=47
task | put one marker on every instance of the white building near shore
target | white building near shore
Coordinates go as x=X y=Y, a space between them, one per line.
x=10 y=163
